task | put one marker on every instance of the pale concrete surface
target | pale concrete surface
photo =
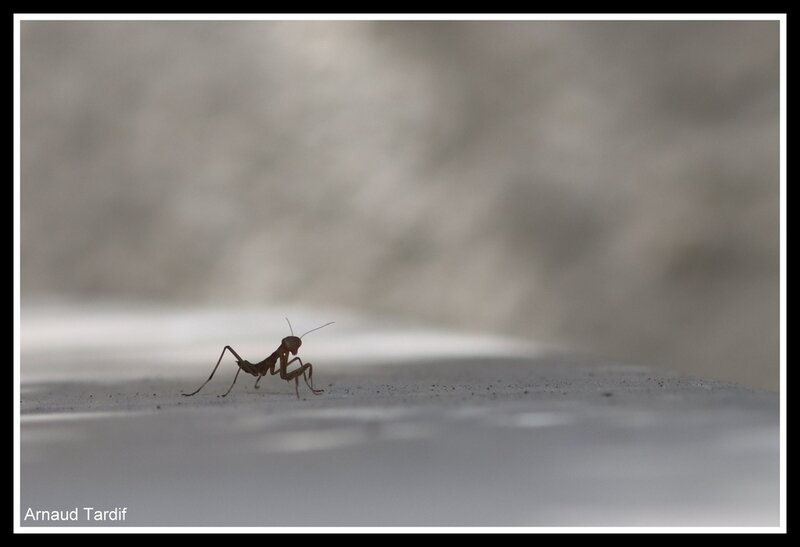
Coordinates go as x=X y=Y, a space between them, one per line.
x=469 y=443
x=536 y=440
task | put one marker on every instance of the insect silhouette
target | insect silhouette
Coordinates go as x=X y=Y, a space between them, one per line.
x=290 y=344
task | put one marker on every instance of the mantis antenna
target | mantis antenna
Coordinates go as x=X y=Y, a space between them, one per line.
x=290 y=326
x=312 y=330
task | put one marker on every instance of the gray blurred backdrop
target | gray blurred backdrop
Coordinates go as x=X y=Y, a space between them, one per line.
x=609 y=186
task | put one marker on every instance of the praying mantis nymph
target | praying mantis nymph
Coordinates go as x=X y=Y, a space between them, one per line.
x=290 y=344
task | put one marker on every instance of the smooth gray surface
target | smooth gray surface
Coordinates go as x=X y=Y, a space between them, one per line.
x=547 y=441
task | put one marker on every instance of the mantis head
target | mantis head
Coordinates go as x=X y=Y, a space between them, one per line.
x=292 y=343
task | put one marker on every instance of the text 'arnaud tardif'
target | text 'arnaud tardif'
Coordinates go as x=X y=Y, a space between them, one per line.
x=78 y=513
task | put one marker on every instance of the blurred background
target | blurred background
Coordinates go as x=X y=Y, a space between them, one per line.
x=611 y=187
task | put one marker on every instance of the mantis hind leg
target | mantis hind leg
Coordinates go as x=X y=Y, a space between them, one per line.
x=226 y=348
x=234 y=381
